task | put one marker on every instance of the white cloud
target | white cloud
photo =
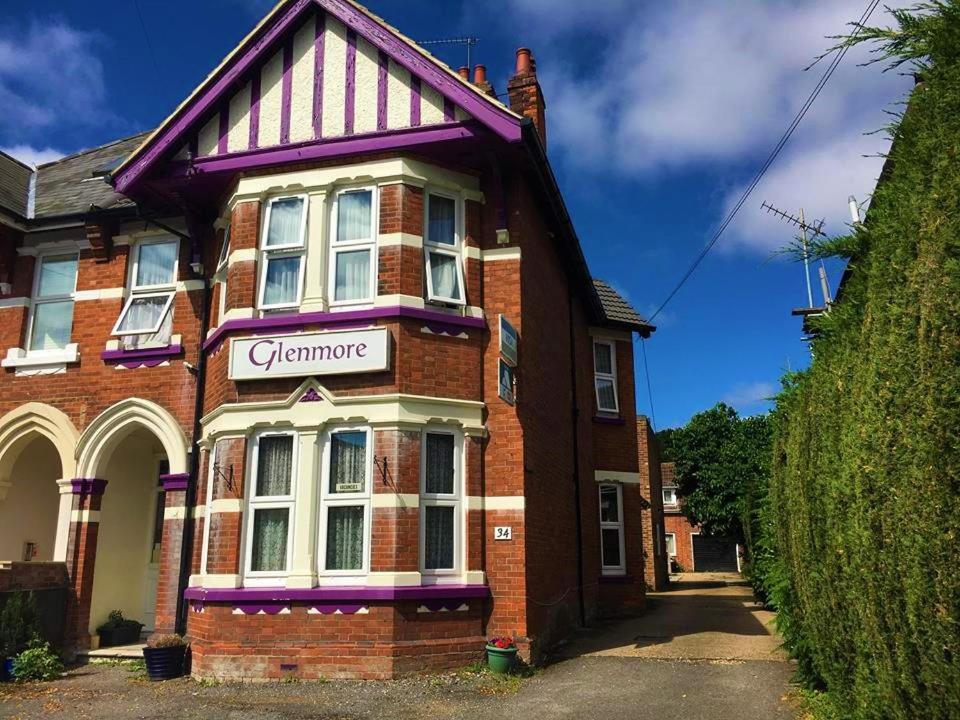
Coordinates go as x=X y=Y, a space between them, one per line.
x=32 y=155
x=49 y=74
x=746 y=396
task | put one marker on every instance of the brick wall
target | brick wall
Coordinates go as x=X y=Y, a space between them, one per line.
x=654 y=551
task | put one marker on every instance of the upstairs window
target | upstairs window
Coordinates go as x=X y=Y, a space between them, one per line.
x=669 y=496
x=352 y=248
x=52 y=307
x=442 y=250
x=440 y=493
x=346 y=503
x=146 y=319
x=605 y=376
x=611 y=530
x=224 y=250
x=282 y=253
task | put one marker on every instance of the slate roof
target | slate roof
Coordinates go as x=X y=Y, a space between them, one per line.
x=69 y=186
x=618 y=311
x=14 y=185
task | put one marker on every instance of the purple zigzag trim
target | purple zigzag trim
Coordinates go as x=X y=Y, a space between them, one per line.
x=331 y=608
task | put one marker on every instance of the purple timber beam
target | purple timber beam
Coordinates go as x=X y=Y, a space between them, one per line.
x=88 y=486
x=449 y=110
x=286 y=92
x=382 y=74
x=223 y=131
x=350 y=92
x=175 y=481
x=254 y=140
x=414 y=101
x=318 y=43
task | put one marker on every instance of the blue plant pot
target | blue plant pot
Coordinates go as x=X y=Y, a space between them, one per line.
x=6 y=670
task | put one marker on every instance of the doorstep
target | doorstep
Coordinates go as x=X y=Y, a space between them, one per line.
x=119 y=652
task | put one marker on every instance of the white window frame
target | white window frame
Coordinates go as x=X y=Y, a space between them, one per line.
x=138 y=292
x=666 y=544
x=371 y=244
x=253 y=503
x=671 y=490
x=276 y=252
x=224 y=256
x=611 y=376
x=455 y=251
x=329 y=499
x=454 y=500
x=36 y=300
x=620 y=569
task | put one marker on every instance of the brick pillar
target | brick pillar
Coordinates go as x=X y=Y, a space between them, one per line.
x=171 y=546
x=395 y=539
x=81 y=559
x=242 y=274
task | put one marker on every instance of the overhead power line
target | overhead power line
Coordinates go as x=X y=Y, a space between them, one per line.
x=827 y=74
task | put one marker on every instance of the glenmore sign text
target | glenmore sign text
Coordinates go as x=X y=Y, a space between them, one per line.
x=324 y=353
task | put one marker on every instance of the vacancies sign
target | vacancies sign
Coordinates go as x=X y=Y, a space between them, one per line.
x=324 y=353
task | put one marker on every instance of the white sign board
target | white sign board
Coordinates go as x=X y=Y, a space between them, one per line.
x=322 y=353
x=508 y=342
x=503 y=532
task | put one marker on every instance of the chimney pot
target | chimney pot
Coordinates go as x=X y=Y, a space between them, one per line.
x=523 y=61
x=464 y=72
x=480 y=75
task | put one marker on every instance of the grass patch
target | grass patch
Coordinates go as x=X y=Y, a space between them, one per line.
x=815 y=705
x=491 y=683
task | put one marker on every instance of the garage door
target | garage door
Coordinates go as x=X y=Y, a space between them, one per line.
x=711 y=554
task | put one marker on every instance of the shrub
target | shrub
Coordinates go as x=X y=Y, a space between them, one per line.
x=160 y=640
x=18 y=624
x=116 y=620
x=38 y=662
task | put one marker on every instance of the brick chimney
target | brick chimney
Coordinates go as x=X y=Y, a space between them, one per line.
x=526 y=97
x=480 y=80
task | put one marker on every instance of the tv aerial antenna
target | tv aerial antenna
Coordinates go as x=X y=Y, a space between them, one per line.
x=468 y=41
x=807 y=231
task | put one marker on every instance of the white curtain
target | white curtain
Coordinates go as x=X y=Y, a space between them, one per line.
x=606 y=395
x=445 y=276
x=438 y=458
x=352 y=275
x=285 y=222
x=345 y=538
x=348 y=460
x=52 y=322
x=354 y=216
x=442 y=221
x=274 y=463
x=143 y=313
x=602 y=360
x=283 y=280
x=269 y=550
x=161 y=338
x=438 y=537
x=155 y=263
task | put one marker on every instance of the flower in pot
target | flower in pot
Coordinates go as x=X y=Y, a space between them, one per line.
x=118 y=630
x=501 y=654
x=164 y=656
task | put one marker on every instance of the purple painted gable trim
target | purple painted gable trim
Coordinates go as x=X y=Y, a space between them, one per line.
x=254 y=140
x=331 y=147
x=175 y=481
x=382 y=74
x=88 y=486
x=286 y=93
x=220 y=84
x=318 y=42
x=299 y=320
x=350 y=94
x=149 y=357
x=223 y=131
x=449 y=110
x=193 y=147
x=414 y=101
x=260 y=596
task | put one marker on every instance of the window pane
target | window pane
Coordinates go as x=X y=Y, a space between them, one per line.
x=439 y=464
x=354 y=216
x=348 y=462
x=269 y=551
x=445 y=277
x=285 y=222
x=51 y=325
x=345 y=538
x=144 y=313
x=442 y=221
x=58 y=276
x=606 y=395
x=282 y=282
x=161 y=338
x=671 y=544
x=611 y=547
x=438 y=538
x=669 y=497
x=224 y=249
x=353 y=275
x=609 y=505
x=155 y=264
x=602 y=360
x=274 y=464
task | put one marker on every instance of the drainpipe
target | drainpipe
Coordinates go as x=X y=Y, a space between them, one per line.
x=575 y=413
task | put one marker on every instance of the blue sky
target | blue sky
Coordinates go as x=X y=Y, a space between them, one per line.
x=657 y=114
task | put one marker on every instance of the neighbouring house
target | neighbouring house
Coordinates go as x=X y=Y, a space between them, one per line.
x=687 y=549
x=656 y=570
x=316 y=371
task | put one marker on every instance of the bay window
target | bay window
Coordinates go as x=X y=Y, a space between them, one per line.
x=611 y=530
x=270 y=505
x=440 y=494
x=146 y=319
x=605 y=375
x=345 y=521
x=282 y=251
x=442 y=250
x=352 y=248
x=52 y=307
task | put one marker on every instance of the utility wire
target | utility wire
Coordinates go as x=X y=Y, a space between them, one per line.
x=842 y=51
x=146 y=36
x=646 y=371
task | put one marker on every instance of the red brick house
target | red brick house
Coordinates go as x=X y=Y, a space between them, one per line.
x=316 y=371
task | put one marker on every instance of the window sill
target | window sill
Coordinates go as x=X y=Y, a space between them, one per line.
x=608 y=419
x=147 y=357
x=44 y=362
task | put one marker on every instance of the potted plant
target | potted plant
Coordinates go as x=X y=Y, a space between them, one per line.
x=164 y=656
x=18 y=625
x=501 y=654
x=118 y=630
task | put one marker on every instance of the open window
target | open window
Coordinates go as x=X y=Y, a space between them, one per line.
x=442 y=250
x=353 y=242
x=224 y=250
x=146 y=319
x=440 y=502
x=51 y=318
x=605 y=376
x=282 y=252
